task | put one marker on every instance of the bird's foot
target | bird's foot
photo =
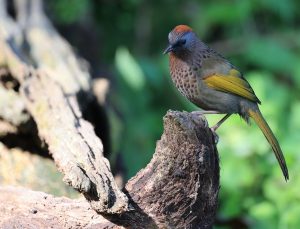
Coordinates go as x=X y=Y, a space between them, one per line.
x=198 y=114
x=215 y=127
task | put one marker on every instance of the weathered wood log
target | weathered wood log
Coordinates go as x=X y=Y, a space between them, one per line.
x=55 y=90
x=26 y=209
x=178 y=188
x=76 y=150
x=12 y=107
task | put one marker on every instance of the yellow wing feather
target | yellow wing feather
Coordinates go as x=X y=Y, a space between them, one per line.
x=232 y=83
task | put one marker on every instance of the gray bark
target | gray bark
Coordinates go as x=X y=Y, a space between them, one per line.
x=177 y=189
x=55 y=87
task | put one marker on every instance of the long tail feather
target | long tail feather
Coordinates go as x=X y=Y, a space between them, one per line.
x=260 y=121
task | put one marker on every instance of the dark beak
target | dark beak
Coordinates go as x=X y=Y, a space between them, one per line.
x=168 y=49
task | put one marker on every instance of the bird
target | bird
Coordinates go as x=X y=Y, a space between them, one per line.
x=214 y=84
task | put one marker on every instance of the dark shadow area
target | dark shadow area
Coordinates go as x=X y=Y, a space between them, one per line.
x=95 y=113
x=27 y=139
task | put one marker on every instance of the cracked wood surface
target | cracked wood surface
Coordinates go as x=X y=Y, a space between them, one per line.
x=54 y=91
x=28 y=209
x=177 y=189
x=71 y=140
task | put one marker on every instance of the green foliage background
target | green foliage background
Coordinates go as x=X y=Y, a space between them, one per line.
x=261 y=37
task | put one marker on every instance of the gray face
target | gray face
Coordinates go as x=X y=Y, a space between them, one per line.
x=181 y=42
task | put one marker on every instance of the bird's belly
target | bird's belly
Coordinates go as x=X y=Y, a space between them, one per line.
x=194 y=89
x=209 y=99
x=214 y=101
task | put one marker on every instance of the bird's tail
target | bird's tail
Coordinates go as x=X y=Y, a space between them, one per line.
x=260 y=121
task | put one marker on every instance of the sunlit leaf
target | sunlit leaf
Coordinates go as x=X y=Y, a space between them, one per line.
x=129 y=69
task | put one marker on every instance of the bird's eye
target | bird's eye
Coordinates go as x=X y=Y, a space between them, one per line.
x=182 y=42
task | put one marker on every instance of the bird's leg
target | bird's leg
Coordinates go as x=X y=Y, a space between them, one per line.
x=215 y=127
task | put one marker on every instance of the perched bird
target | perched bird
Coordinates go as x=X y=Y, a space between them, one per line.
x=212 y=83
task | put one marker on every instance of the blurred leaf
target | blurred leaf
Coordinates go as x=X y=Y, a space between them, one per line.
x=129 y=69
x=265 y=214
x=294 y=119
x=152 y=73
x=270 y=54
x=231 y=207
x=225 y=13
x=68 y=11
x=284 y=8
x=290 y=217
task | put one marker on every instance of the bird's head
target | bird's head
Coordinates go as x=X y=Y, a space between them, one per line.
x=181 y=40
